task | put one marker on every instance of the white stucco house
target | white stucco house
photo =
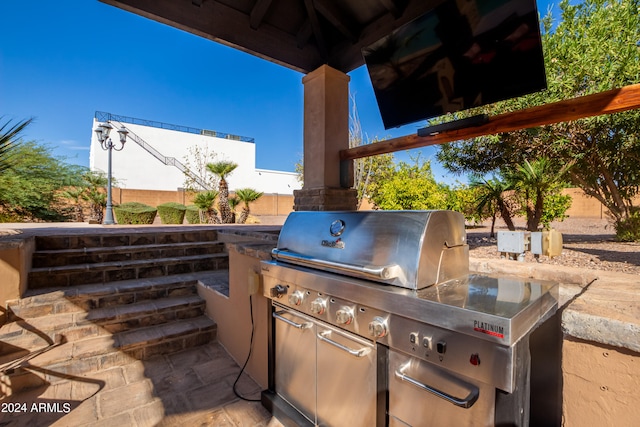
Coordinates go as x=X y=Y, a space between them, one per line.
x=156 y=152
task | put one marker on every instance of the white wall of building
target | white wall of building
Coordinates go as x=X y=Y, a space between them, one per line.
x=136 y=168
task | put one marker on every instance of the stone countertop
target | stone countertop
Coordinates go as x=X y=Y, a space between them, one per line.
x=260 y=250
x=598 y=306
x=255 y=242
x=265 y=234
x=608 y=312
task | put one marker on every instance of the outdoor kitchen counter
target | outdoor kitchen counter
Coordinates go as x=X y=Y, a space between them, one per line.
x=600 y=318
x=608 y=312
x=260 y=250
x=256 y=243
x=241 y=313
x=597 y=306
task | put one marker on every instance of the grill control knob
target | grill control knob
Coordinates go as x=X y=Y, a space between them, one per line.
x=318 y=306
x=296 y=298
x=414 y=337
x=378 y=327
x=344 y=316
x=277 y=291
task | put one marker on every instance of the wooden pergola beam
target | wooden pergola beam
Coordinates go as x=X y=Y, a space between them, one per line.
x=609 y=102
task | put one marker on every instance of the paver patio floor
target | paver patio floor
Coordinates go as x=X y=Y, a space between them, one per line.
x=189 y=388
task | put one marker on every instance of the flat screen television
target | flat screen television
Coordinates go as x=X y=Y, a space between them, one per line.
x=459 y=55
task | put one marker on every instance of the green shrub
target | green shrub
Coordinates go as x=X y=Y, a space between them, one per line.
x=10 y=217
x=172 y=212
x=629 y=230
x=193 y=214
x=135 y=213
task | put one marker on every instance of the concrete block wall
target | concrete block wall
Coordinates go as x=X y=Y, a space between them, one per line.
x=268 y=204
x=582 y=206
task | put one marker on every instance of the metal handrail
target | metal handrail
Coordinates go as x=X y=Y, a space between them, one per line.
x=169 y=161
x=106 y=117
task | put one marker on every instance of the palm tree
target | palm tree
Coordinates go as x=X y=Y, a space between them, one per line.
x=247 y=195
x=233 y=204
x=95 y=194
x=9 y=139
x=491 y=198
x=536 y=180
x=204 y=201
x=222 y=169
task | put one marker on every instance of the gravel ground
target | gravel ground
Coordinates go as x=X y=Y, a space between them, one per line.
x=587 y=243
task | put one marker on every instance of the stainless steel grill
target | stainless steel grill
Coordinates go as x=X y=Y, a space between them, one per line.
x=404 y=248
x=377 y=321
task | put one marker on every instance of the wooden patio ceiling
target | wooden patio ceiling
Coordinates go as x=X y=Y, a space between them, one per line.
x=305 y=34
x=299 y=34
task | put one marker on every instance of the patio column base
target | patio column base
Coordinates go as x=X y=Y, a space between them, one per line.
x=325 y=199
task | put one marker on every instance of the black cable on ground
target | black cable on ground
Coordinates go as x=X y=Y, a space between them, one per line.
x=248 y=356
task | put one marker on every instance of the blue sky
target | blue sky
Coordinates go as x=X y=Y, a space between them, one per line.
x=62 y=61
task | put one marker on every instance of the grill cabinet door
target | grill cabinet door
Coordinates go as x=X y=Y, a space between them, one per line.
x=295 y=360
x=410 y=405
x=346 y=379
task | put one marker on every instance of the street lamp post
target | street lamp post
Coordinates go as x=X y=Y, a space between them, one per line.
x=102 y=132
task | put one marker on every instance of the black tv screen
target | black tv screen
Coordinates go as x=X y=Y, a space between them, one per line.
x=461 y=54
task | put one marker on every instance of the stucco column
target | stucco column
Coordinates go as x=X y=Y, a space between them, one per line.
x=326 y=132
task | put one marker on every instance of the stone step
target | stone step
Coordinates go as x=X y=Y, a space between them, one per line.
x=95 y=354
x=18 y=339
x=48 y=301
x=96 y=255
x=132 y=237
x=39 y=332
x=107 y=272
x=146 y=313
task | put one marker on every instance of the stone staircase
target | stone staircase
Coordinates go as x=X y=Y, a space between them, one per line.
x=104 y=300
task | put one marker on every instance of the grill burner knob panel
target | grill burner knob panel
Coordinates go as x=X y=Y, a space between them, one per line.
x=344 y=316
x=378 y=327
x=296 y=298
x=318 y=306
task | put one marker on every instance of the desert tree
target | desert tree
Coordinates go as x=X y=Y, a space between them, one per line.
x=247 y=196
x=222 y=170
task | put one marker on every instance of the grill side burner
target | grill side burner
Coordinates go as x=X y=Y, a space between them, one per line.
x=453 y=353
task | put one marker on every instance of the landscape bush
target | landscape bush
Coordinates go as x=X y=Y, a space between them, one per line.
x=134 y=213
x=628 y=230
x=193 y=214
x=172 y=212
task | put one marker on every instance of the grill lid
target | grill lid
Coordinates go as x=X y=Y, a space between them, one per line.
x=411 y=249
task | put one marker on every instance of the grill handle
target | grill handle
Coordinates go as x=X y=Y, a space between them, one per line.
x=466 y=402
x=385 y=272
x=322 y=336
x=305 y=325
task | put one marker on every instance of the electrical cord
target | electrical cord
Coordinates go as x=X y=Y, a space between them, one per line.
x=248 y=356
